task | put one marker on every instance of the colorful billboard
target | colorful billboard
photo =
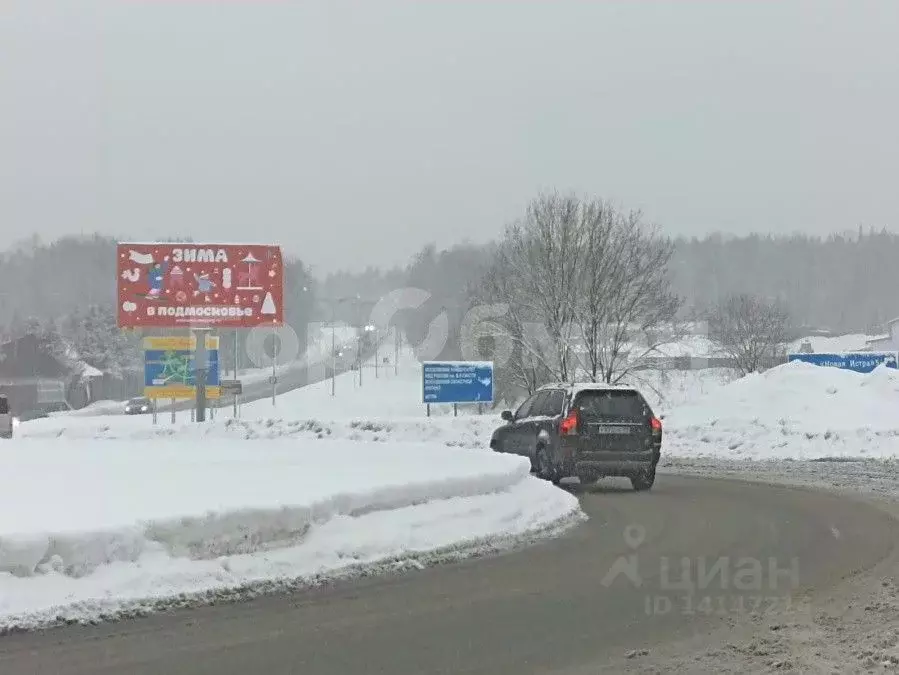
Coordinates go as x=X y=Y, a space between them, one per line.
x=168 y=285
x=169 y=367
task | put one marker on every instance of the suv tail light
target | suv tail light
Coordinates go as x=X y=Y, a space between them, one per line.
x=656 y=424
x=568 y=426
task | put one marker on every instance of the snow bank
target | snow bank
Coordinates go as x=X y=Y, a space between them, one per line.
x=465 y=431
x=665 y=390
x=106 y=407
x=797 y=410
x=111 y=525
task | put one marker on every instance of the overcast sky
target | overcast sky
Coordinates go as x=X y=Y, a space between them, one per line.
x=354 y=133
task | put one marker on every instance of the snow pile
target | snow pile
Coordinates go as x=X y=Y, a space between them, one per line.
x=665 y=390
x=797 y=411
x=107 y=407
x=148 y=521
x=465 y=431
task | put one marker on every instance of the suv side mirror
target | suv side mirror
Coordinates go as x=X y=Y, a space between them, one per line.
x=507 y=415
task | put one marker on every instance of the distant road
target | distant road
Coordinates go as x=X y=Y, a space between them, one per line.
x=290 y=377
x=541 y=610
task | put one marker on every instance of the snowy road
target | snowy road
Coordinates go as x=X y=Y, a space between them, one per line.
x=544 y=609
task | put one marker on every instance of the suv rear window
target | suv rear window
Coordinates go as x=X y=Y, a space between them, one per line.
x=611 y=406
x=553 y=404
x=4 y=405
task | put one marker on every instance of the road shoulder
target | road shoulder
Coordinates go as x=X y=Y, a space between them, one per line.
x=852 y=628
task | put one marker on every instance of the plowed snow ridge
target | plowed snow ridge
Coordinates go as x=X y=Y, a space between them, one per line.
x=106 y=522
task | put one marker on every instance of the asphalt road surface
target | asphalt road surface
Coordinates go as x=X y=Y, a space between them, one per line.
x=541 y=609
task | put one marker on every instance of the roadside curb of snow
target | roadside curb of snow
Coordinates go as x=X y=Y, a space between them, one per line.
x=98 y=612
x=860 y=477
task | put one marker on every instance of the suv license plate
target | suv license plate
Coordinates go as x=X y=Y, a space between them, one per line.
x=610 y=431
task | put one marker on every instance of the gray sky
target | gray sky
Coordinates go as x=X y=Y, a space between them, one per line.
x=354 y=133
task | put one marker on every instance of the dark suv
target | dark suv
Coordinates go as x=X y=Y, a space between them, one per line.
x=585 y=430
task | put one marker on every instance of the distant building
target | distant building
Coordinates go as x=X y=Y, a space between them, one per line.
x=888 y=342
x=32 y=378
x=805 y=347
x=29 y=376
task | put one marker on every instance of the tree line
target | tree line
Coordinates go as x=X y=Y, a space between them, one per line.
x=554 y=267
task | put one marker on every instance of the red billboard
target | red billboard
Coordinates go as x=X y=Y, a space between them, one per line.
x=167 y=285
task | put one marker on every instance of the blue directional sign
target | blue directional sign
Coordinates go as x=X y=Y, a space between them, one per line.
x=860 y=362
x=457 y=381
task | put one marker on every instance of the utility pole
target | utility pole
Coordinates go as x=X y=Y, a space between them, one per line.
x=333 y=348
x=359 y=330
x=334 y=302
x=359 y=354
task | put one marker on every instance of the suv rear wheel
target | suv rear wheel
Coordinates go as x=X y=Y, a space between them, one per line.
x=544 y=467
x=587 y=477
x=644 y=480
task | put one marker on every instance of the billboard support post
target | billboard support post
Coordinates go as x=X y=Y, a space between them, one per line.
x=201 y=365
x=235 y=372
x=274 y=368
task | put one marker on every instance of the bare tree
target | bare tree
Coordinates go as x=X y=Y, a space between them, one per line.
x=625 y=310
x=535 y=276
x=528 y=363
x=584 y=291
x=750 y=330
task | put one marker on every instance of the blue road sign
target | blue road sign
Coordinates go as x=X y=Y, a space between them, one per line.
x=860 y=362
x=457 y=382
